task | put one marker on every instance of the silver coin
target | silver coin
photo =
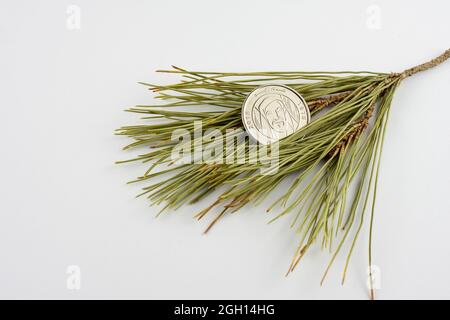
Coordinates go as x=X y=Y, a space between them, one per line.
x=273 y=112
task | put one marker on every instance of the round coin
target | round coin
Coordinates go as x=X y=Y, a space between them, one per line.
x=273 y=112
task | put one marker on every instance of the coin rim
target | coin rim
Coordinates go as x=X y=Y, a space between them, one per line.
x=272 y=85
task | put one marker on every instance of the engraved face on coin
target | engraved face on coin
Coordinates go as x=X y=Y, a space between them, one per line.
x=273 y=112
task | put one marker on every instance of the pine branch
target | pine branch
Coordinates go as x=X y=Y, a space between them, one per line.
x=338 y=150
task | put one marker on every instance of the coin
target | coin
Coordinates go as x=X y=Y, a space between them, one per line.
x=273 y=112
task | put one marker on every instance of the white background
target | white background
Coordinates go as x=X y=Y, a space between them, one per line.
x=63 y=201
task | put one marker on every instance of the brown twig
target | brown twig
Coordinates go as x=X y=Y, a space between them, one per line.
x=427 y=65
x=356 y=130
x=321 y=103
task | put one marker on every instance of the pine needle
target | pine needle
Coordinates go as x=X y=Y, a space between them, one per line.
x=338 y=151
